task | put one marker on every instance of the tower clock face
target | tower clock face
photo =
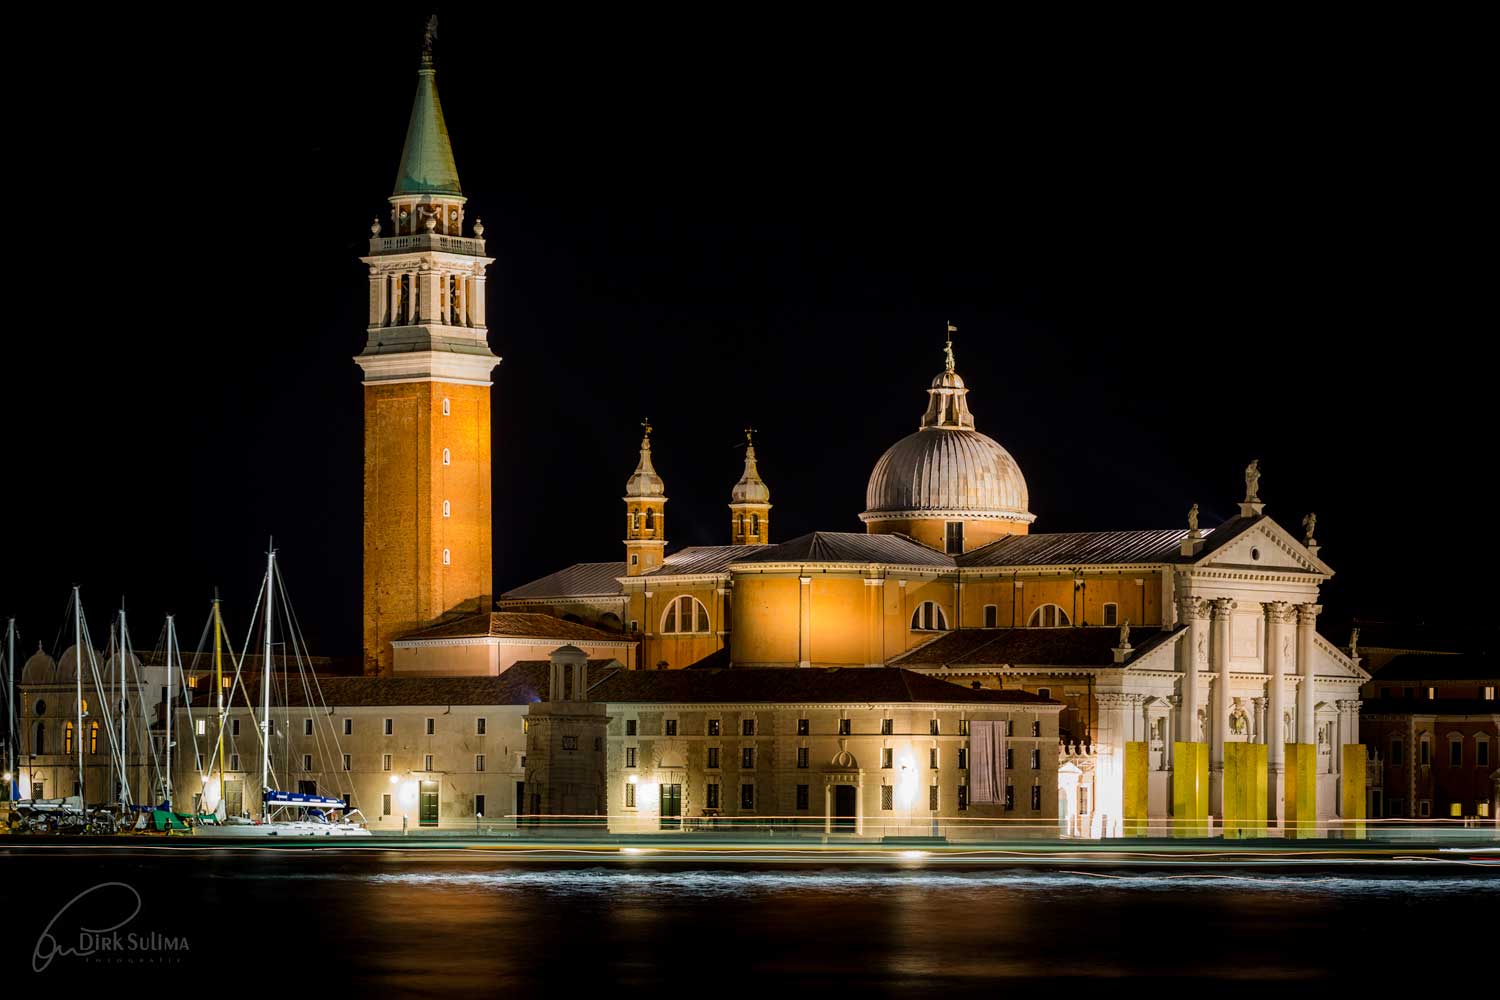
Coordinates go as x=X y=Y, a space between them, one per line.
x=453 y=214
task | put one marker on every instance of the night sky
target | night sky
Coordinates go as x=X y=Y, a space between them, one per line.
x=1161 y=265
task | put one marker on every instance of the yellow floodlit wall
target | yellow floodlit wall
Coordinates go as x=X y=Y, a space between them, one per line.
x=1244 y=789
x=1137 y=787
x=1190 y=789
x=1300 y=790
x=1354 y=790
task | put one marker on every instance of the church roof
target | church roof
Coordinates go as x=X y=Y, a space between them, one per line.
x=1073 y=647
x=1078 y=547
x=861 y=685
x=427 y=165
x=696 y=559
x=514 y=624
x=590 y=579
x=850 y=547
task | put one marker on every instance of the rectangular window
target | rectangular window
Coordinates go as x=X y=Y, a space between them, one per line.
x=1397 y=752
x=1036 y=759
x=427 y=762
x=963 y=797
x=1010 y=758
x=954 y=538
x=802 y=756
x=1455 y=810
x=1487 y=693
x=307 y=762
x=1010 y=728
x=202 y=727
x=963 y=758
x=1424 y=755
x=525 y=726
x=346 y=762
x=1036 y=796
x=671 y=727
x=431 y=726
x=748 y=727
x=843 y=727
x=1010 y=797
x=747 y=757
x=932 y=726
x=887 y=797
x=1455 y=753
x=306 y=727
x=887 y=758
x=1482 y=809
x=387 y=727
x=348 y=727
x=479 y=725
x=963 y=727
x=713 y=758
x=479 y=762
x=234 y=762
x=747 y=796
x=713 y=727
x=630 y=756
x=570 y=743
x=802 y=798
x=1424 y=808
x=1036 y=728
x=712 y=798
x=1431 y=693
x=932 y=798
x=1395 y=807
x=385 y=762
x=630 y=727
x=991 y=616
x=802 y=728
x=932 y=758
x=385 y=804
x=479 y=805
x=1482 y=753
x=1043 y=693
x=886 y=727
x=629 y=796
x=234 y=727
x=1111 y=614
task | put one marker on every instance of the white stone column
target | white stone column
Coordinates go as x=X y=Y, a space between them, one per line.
x=1191 y=656
x=1257 y=720
x=827 y=808
x=378 y=299
x=1168 y=728
x=1278 y=617
x=804 y=621
x=1220 y=611
x=476 y=305
x=1307 y=617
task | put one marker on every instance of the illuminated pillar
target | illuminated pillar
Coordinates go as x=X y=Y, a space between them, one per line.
x=873 y=591
x=859 y=807
x=1220 y=610
x=827 y=809
x=1307 y=617
x=804 y=621
x=1278 y=645
x=1191 y=657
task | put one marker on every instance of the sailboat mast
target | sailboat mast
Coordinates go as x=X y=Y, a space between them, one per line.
x=124 y=721
x=10 y=708
x=265 y=688
x=219 y=687
x=167 y=773
x=78 y=676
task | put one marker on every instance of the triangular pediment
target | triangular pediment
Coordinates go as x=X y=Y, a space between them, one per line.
x=1263 y=545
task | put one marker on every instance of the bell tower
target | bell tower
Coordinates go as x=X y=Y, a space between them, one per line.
x=645 y=513
x=750 y=502
x=427 y=364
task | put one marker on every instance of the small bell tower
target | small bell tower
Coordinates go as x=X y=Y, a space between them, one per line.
x=750 y=502
x=645 y=513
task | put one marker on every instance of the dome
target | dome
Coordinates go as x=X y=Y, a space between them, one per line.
x=39 y=669
x=948 y=473
x=644 y=483
x=751 y=488
x=947 y=469
x=67 y=667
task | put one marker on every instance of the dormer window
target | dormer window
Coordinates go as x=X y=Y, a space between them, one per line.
x=954 y=538
x=929 y=617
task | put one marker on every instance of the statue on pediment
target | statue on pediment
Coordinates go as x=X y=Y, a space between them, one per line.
x=1252 y=482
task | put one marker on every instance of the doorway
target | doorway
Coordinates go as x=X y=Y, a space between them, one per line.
x=671 y=807
x=520 y=801
x=845 y=800
x=234 y=798
x=427 y=814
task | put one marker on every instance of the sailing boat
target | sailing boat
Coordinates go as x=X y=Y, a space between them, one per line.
x=282 y=814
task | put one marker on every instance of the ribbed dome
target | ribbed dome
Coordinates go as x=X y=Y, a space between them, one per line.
x=644 y=483
x=947 y=469
x=40 y=669
x=941 y=472
x=751 y=488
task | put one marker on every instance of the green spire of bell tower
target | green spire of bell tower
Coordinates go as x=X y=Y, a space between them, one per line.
x=427 y=158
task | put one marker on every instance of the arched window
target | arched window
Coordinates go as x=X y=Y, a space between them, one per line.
x=67 y=737
x=447 y=457
x=929 y=617
x=650 y=519
x=1049 y=616
x=635 y=521
x=685 y=614
x=93 y=737
x=755 y=525
x=39 y=739
x=447 y=409
x=447 y=509
x=447 y=557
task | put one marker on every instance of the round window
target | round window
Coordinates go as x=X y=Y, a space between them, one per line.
x=1255 y=553
x=40 y=707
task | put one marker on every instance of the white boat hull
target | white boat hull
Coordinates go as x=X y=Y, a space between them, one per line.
x=289 y=829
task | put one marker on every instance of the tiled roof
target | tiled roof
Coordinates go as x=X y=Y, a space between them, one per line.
x=514 y=624
x=850 y=547
x=1074 y=647
x=779 y=685
x=705 y=559
x=1441 y=667
x=597 y=579
x=1073 y=548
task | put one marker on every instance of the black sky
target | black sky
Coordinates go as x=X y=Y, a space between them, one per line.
x=1164 y=260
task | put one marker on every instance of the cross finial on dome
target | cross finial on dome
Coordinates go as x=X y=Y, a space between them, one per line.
x=646 y=426
x=948 y=347
x=750 y=437
x=429 y=34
